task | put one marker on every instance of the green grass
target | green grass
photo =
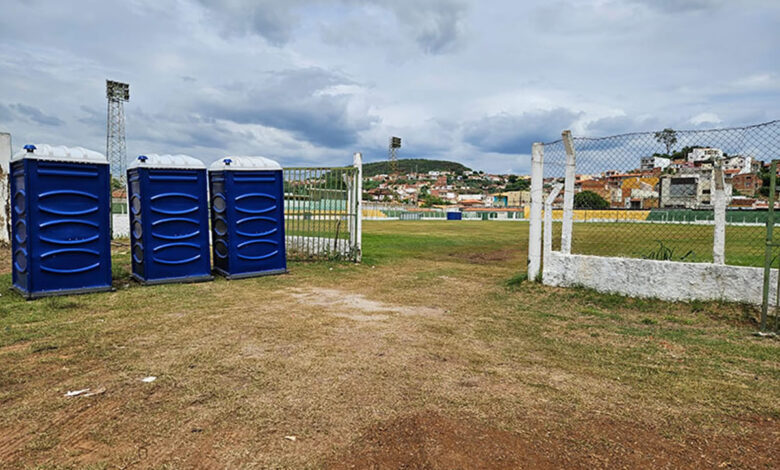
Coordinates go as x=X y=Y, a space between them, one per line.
x=250 y=361
x=744 y=245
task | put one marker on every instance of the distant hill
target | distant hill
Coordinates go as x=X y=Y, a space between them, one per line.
x=409 y=165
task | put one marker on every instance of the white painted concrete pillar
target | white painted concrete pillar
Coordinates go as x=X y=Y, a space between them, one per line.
x=719 y=207
x=5 y=202
x=548 y=219
x=357 y=161
x=568 y=193
x=535 y=225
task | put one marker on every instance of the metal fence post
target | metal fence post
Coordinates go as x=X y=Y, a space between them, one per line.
x=548 y=219
x=719 y=207
x=358 y=163
x=535 y=225
x=349 y=179
x=568 y=192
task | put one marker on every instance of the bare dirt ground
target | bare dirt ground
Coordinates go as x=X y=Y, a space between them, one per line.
x=424 y=359
x=5 y=260
x=431 y=441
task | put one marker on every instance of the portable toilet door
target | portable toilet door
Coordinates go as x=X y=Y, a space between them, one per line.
x=247 y=217
x=60 y=210
x=169 y=222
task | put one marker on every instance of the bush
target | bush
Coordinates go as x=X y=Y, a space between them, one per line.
x=589 y=200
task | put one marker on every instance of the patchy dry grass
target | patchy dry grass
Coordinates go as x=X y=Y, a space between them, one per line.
x=434 y=329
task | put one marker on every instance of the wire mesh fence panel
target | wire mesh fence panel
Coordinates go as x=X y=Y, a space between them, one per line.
x=652 y=194
x=320 y=206
x=554 y=174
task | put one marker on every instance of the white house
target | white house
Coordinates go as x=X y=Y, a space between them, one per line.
x=471 y=197
x=705 y=153
x=651 y=163
x=738 y=162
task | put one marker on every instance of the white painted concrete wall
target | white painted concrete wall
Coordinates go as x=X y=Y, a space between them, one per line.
x=121 y=225
x=666 y=280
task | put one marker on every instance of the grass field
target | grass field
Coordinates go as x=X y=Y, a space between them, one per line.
x=431 y=354
x=688 y=242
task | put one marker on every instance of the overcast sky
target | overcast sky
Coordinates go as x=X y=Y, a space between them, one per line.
x=309 y=82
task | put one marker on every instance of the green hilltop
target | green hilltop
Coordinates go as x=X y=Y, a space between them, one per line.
x=409 y=165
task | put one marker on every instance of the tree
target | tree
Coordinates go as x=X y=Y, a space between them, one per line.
x=764 y=189
x=518 y=185
x=589 y=200
x=667 y=137
x=682 y=154
x=429 y=201
x=116 y=184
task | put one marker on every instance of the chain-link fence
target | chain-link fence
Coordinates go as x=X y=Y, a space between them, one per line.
x=554 y=175
x=320 y=212
x=652 y=194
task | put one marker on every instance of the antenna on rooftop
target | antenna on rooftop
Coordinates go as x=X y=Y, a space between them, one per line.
x=116 y=147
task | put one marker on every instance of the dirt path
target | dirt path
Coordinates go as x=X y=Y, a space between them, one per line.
x=431 y=441
x=420 y=363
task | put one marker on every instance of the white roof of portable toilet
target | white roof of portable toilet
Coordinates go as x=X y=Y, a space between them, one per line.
x=153 y=160
x=244 y=164
x=60 y=153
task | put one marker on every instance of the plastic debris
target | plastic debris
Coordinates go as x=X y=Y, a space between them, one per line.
x=99 y=391
x=762 y=334
x=291 y=438
x=75 y=393
x=149 y=379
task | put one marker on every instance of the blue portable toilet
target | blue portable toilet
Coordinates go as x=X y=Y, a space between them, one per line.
x=454 y=215
x=169 y=222
x=247 y=217
x=60 y=210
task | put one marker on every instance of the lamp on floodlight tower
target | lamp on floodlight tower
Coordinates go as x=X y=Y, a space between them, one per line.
x=117 y=94
x=395 y=144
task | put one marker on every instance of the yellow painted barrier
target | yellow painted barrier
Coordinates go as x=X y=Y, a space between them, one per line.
x=586 y=215
x=374 y=213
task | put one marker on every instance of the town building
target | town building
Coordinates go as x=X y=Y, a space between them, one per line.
x=690 y=189
x=738 y=162
x=651 y=163
x=511 y=198
x=704 y=153
x=746 y=184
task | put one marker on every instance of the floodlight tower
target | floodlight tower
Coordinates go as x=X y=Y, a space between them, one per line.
x=395 y=144
x=116 y=145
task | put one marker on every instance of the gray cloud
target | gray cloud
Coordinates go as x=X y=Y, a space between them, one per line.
x=305 y=102
x=437 y=26
x=678 y=6
x=513 y=134
x=273 y=20
x=29 y=113
x=620 y=125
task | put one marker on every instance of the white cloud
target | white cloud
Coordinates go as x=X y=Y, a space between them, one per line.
x=705 y=118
